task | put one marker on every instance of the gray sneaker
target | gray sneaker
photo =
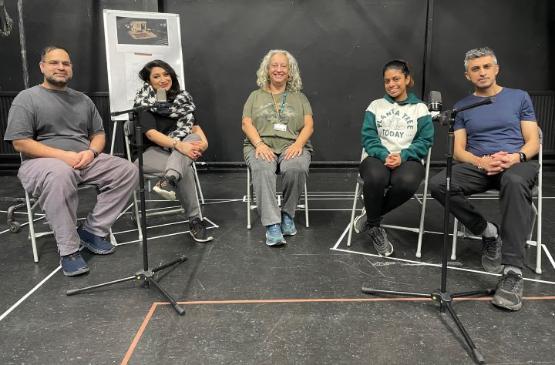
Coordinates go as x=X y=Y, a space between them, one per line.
x=508 y=293
x=379 y=239
x=359 y=224
x=491 y=254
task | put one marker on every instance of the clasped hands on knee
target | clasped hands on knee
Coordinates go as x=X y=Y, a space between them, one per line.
x=393 y=160
x=498 y=162
x=77 y=160
x=193 y=149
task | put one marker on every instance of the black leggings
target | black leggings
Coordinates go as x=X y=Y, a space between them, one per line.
x=385 y=189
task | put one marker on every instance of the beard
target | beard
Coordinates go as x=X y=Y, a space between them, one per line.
x=57 y=82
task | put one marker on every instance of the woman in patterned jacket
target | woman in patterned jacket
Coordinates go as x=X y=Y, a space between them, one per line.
x=173 y=140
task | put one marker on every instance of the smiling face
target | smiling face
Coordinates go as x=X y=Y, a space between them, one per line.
x=396 y=83
x=160 y=79
x=482 y=72
x=56 y=68
x=278 y=69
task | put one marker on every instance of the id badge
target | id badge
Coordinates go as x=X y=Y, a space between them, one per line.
x=280 y=127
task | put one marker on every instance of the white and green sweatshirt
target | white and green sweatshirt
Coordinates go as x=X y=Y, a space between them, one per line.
x=397 y=127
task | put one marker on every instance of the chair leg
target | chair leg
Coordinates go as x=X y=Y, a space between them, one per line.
x=307 y=224
x=421 y=228
x=353 y=210
x=539 y=245
x=137 y=215
x=32 y=235
x=197 y=182
x=198 y=200
x=422 y=217
x=248 y=198
x=454 y=242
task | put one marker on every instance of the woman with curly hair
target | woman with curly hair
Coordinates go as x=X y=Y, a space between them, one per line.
x=173 y=141
x=277 y=122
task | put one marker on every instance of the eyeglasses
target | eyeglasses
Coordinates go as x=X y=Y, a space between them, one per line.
x=54 y=63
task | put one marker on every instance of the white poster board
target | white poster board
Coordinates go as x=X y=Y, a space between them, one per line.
x=134 y=38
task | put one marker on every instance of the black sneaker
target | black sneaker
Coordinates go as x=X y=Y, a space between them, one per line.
x=508 y=293
x=379 y=239
x=491 y=254
x=198 y=230
x=73 y=264
x=166 y=187
x=95 y=244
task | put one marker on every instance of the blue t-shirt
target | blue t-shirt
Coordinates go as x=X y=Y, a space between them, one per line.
x=495 y=127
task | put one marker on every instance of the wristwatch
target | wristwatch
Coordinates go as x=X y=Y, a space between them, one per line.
x=522 y=156
x=95 y=153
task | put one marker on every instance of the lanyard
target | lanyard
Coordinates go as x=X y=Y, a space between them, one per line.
x=282 y=107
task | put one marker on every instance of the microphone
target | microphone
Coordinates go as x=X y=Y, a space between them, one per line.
x=485 y=101
x=435 y=105
x=161 y=96
x=444 y=118
x=161 y=100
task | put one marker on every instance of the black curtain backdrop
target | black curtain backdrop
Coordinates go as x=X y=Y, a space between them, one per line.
x=341 y=46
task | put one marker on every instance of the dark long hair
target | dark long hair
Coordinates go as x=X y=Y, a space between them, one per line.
x=144 y=74
x=402 y=66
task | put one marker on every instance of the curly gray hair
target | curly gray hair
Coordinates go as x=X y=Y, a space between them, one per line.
x=294 y=82
x=477 y=53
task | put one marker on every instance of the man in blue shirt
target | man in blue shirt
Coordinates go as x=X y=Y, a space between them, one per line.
x=493 y=145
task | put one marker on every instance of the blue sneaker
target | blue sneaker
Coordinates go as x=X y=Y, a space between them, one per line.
x=287 y=225
x=73 y=264
x=95 y=244
x=274 y=237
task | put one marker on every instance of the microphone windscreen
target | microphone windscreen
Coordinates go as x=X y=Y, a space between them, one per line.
x=434 y=103
x=161 y=96
x=435 y=97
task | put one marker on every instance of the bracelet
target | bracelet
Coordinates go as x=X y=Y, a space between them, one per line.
x=258 y=143
x=95 y=153
x=174 y=143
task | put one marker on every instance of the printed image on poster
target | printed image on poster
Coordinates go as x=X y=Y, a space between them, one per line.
x=137 y=31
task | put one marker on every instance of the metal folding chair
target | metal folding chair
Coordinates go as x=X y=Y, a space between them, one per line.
x=129 y=133
x=31 y=204
x=537 y=211
x=251 y=203
x=422 y=201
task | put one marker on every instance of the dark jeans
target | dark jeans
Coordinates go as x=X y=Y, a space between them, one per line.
x=515 y=199
x=385 y=189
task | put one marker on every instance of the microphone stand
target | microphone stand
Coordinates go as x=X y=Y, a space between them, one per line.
x=146 y=275
x=442 y=296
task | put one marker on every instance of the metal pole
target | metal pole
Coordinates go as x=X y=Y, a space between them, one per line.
x=24 y=64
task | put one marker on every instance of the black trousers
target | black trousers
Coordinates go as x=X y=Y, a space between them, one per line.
x=385 y=189
x=515 y=200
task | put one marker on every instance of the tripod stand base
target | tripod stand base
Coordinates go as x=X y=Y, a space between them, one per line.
x=144 y=276
x=445 y=300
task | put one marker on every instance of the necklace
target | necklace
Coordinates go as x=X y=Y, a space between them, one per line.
x=279 y=110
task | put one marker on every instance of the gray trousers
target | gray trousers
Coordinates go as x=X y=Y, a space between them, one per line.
x=157 y=160
x=55 y=183
x=515 y=200
x=294 y=172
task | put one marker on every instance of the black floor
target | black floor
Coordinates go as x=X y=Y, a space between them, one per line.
x=250 y=304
